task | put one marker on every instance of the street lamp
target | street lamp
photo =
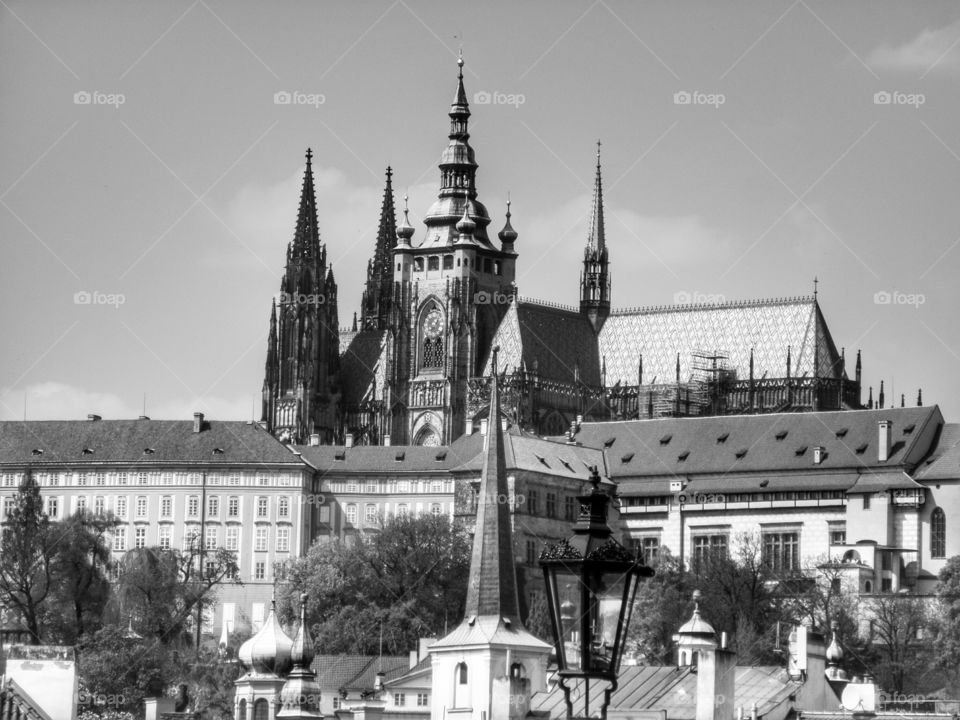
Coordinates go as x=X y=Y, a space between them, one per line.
x=591 y=581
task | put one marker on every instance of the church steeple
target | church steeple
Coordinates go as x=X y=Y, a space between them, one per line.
x=458 y=171
x=378 y=293
x=595 y=278
x=306 y=239
x=492 y=589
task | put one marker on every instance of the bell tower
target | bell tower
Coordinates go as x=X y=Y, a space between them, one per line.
x=452 y=290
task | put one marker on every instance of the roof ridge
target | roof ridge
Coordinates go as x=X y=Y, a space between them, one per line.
x=546 y=303
x=760 y=302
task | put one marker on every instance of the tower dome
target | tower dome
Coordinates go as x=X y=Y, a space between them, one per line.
x=269 y=651
x=694 y=635
x=405 y=230
x=508 y=235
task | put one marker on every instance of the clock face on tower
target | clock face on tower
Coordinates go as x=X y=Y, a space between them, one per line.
x=433 y=324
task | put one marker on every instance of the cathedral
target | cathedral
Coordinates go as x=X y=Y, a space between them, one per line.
x=415 y=367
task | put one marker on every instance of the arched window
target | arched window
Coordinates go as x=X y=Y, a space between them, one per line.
x=938 y=533
x=516 y=670
x=242 y=710
x=261 y=710
x=461 y=695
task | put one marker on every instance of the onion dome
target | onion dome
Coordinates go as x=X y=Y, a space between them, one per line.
x=835 y=657
x=465 y=225
x=508 y=234
x=300 y=696
x=696 y=626
x=405 y=231
x=267 y=652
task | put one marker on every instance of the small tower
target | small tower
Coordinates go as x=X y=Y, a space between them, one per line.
x=694 y=635
x=834 y=657
x=595 y=278
x=300 y=696
x=265 y=658
x=490 y=664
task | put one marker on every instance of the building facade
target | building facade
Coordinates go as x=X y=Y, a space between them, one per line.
x=171 y=483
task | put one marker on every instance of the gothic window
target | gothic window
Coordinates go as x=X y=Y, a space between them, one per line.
x=938 y=533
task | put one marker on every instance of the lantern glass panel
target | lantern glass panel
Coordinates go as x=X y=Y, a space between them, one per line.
x=607 y=590
x=569 y=606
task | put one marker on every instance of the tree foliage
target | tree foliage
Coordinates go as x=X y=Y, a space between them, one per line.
x=406 y=581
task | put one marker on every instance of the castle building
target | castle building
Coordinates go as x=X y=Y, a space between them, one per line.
x=415 y=369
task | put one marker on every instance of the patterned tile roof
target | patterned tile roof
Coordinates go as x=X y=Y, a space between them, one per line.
x=392 y=667
x=551 y=338
x=379 y=458
x=528 y=452
x=779 y=442
x=142 y=442
x=362 y=366
x=729 y=329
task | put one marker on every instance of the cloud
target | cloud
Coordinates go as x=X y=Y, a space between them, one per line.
x=53 y=400
x=931 y=49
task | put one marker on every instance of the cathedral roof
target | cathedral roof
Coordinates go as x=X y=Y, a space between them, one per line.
x=733 y=329
x=552 y=339
x=943 y=462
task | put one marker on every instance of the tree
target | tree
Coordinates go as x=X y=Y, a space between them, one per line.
x=945 y=623
x=660 y=608
x=162 y=588
x=80 y=589
x=897 y=626
x=27 y=548
x=403 y=581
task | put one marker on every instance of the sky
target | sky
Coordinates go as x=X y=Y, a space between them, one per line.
x=150 y=172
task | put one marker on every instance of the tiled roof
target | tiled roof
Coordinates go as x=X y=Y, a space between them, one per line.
x=379 y=458
x=336 y=671
x=15 y=704
x=736 y=444
x=674 y=691
x=362 y=366
x=142 y=442
x=527 y=452
x=393 y=667
x=944 y=461
x=552 y=339
x=731 y=329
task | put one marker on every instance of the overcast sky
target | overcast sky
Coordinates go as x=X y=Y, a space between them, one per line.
x=144 y=161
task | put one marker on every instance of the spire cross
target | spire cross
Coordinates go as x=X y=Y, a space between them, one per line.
x=309 y=154
x=815 y=283
x=389 y=173
x=598 y=153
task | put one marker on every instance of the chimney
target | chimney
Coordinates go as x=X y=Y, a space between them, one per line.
x=483 y=426
x=818 y=455
x=386 y=440
x=314 y=439
x=378 y=683
x=715 y=688
x=348 y=440
x=885 y=429
x=197 y=422
x=94 y=418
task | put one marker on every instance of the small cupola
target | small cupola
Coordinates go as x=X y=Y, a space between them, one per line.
x=508 y=236
x=694 y=635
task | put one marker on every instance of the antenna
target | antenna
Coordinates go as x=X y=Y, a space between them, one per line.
x=380 y=661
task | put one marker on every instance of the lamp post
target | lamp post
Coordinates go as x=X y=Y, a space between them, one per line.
x=591 y=581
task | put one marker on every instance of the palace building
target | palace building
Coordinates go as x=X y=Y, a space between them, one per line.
x=414 y=368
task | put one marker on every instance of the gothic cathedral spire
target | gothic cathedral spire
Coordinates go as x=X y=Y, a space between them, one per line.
x=378 y=294
x=303 y=345
x=595 y=278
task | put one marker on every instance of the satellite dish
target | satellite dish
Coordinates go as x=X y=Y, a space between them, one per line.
x=859 y=697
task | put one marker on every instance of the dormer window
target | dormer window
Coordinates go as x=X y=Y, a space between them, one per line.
x=722 y=438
